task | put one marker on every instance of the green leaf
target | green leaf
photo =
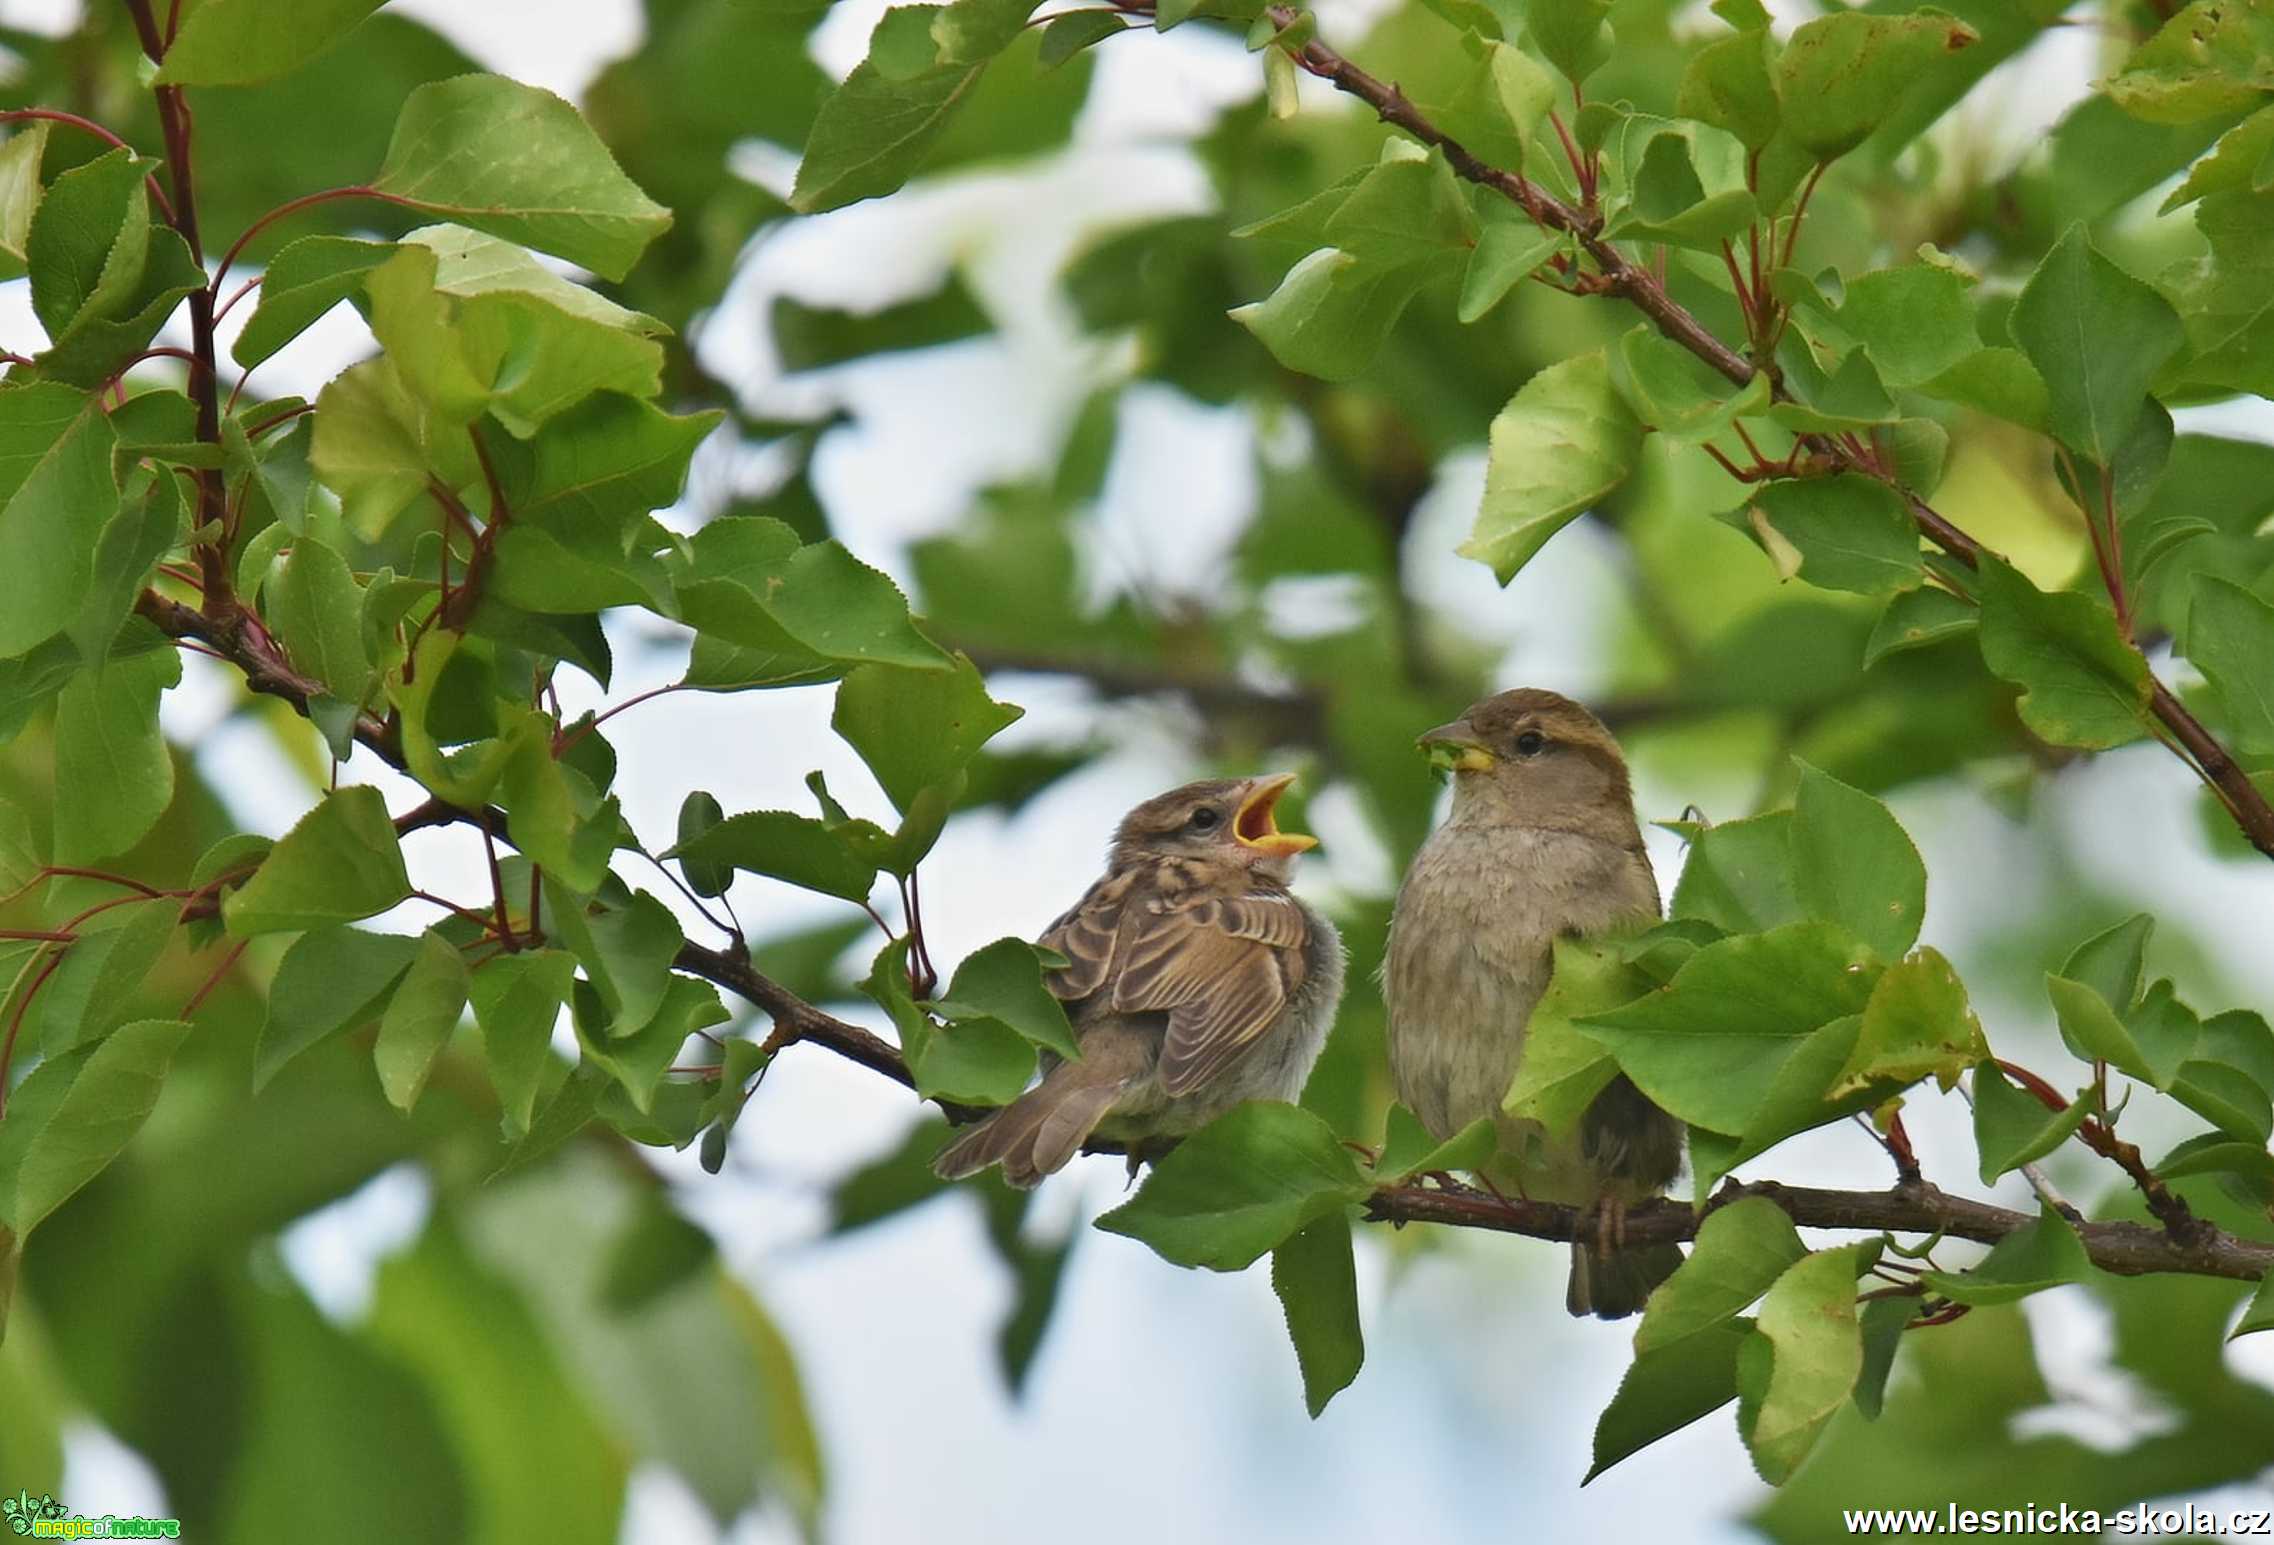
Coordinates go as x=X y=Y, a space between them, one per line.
x=1509 y=247
x=1726 y=83
x=1563 y=442
x=1404 y=210
x=789 y=847
x=502 y=347
x=330 y=980
x=1802 y=1361
x=2236 y=165
x=1706 y=1046
x=2230 y=639
x=1563 y=1067
x=751 y=584
x=553 y=813
x=1847 y=532
x=102 y=339
x=140 y=534
x=2000 y=382
x=1741 y=1250
x=917 y=729
x=1678 y=395
x=102 y=974
x=660 y=1251
x=2137 y=1044
x=20 y=157
x=2082 y=686
x=2112 y=961
x=93 y=1107
x=2045 y=1254
x=892 y=110
x=1841 y=76
x=1317 y=1283
x=1915 y=322
x=1497 y=105
x=57 y=493
x=698 y=813
x=377 y=444
x=1241 y=1185
x=1915 y=619
x=2207 y=59
x=340 y=862
x=1665 y=1390
x=1739 y=874
x=89 y=243
x=1332 y=312
x=814 y=338
x=2097 y=336
x=1571 y=34
x=1069 y=34
x=1854 y=865
x=301 y=283
x=981 y=1060
x=627 y=951
x=2013 y=1129
x=638 y=1060
x=519 y=163
x=517 y=1000
x=1689 y=184
x=1003 y=981
x=113 y=775
x=237 y=42
x=425 y=1008
x=1916 y=1025
x=315 y=606
x=1798 y=1097
x=1408 y=1149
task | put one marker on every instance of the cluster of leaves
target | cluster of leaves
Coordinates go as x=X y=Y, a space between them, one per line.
x=1785 y=993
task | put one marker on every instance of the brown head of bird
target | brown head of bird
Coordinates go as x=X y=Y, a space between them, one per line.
x=1534 y=758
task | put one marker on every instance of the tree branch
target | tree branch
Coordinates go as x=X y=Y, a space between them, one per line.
x=2212 y=763
x=2127 y=1249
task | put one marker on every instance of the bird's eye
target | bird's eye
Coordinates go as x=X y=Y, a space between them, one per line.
x=1204 y=819
x=1531 y=743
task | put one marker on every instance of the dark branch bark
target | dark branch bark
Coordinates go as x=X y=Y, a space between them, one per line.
x=2211 y=761
x=2127 y=1249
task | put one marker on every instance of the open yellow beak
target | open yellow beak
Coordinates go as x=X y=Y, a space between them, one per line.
x=1254 y=827
x=1456 y=747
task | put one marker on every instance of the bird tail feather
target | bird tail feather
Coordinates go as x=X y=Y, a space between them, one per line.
x=1613 y=1286
x=1037 y=1133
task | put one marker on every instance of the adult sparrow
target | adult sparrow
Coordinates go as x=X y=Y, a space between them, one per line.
x=1541 y=844
x=1194 y=979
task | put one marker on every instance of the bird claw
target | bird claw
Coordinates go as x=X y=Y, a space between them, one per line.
x=1607 y=1218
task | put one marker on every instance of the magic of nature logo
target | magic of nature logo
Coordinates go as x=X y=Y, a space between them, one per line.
x=47 y=1519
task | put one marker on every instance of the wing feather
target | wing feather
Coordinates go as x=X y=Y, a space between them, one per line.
x=1220 y=968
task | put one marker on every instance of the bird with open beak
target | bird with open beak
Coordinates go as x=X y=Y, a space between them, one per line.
x=1541 y=843
x=1194 y=978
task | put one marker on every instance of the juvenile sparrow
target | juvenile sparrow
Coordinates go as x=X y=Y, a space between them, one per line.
x=1541 y=843
x=1194 y=979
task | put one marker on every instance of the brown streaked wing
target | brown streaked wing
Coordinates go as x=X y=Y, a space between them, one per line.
x=1085 y=935
x=1207 y=1033
x=1268 y=919
x=1221 y=989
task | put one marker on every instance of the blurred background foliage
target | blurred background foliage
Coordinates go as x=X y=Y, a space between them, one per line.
x=557 y=1322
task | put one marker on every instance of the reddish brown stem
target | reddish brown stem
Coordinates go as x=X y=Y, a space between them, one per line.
x=89 y=126
x=213 y=979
